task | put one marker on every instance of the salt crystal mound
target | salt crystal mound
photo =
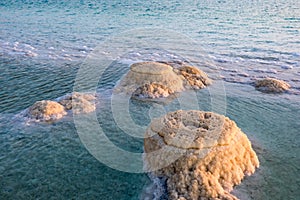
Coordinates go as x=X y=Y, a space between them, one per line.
x=271 y=85
x=196 y=78
x=46 y=111
x=150 y=72
x=162 y=77
x=79 y=102
x=215 y=154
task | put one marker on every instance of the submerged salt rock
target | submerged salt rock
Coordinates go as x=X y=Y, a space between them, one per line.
x=152 y=90
x=271 y=85
x=214 y=154
x=147 y=73
x=46 y=111
x=196 y=78
x=79 y=102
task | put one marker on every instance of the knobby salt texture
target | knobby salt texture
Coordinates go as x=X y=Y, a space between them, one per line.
x=214 y=154
x=46 y=111
x=152 y=90
x=79 y=102
x=271 y=85
x=157 y=80
x=195 y=78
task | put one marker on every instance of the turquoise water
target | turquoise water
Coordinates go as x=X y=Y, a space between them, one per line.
x=43 y=45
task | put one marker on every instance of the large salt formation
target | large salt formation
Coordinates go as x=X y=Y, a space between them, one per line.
x=156 y=80
x=214 y=153
x=271 y=85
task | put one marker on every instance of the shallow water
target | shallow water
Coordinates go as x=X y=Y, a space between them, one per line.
x=43 y=45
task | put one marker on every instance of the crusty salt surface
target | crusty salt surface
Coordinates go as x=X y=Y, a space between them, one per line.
x=79 y=102
x=152 y=91
x=195 y=78
x=46 y=110
x=271 y=85
x=214 y=154
x=150 y=72
x=150 y=80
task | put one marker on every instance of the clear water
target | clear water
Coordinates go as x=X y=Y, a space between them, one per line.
x=43 y=45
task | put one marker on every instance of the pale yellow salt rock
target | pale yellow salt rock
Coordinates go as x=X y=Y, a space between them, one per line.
x=196 y=78
x=152 y=90
x=210 y=162
x=151 y=68
x=150 y=72
x=271 y=85
x=79 y=102
x=152 y=80
x=46 y=111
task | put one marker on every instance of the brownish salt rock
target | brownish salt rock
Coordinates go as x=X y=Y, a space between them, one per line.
x=196 y=78
x=147 y=73
x=152 y=90
x=214 y=154
x=79 y=102
x=46 y=111
x=271 y=85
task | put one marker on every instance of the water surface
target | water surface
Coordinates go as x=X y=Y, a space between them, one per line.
x=43 y=44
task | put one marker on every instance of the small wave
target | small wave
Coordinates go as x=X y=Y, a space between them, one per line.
x=295 y=54
x=292 y=19
x=31 y=54
x=243 y=74
x=286 y=67
x=156 y=190
x=268 y=71
x=17 y=48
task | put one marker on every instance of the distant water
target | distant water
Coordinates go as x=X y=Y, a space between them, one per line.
x=43 y=44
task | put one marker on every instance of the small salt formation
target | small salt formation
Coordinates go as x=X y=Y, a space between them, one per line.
x=196 y=78
x=214 y=153
x=46 y=111
x=79 y=102
x=271 y=85
x=160 y=78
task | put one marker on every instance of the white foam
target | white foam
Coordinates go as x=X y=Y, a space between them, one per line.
x=29 y=46
x=31 y=54
x=156 y=190
x=287 y=67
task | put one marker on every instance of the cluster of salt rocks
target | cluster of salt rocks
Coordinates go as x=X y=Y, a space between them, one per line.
x=47 y=110
x=201 y=154
x=157 y=80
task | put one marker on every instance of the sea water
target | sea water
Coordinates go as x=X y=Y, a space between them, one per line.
x=44 y=44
